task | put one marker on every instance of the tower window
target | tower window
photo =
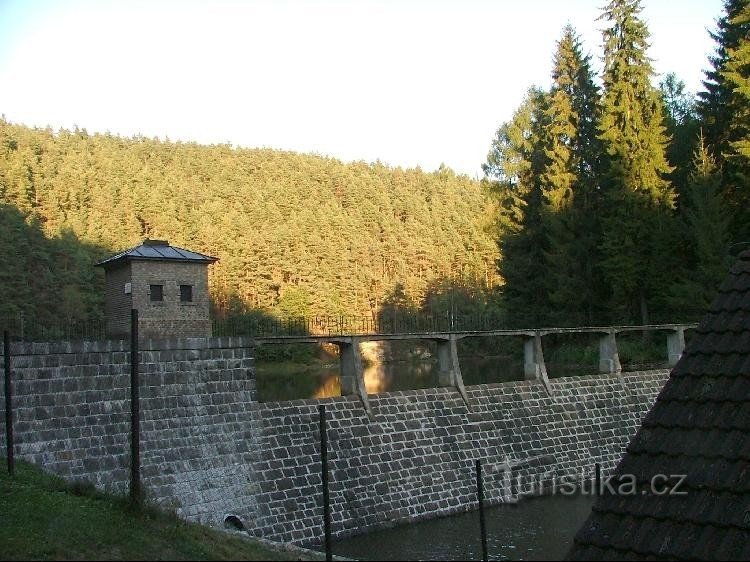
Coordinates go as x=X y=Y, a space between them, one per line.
x=186 y=293
x=156 y=292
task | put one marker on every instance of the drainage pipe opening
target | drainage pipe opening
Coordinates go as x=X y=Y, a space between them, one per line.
x=233 y=522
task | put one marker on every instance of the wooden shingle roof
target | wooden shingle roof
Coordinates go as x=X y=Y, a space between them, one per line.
x=698 y=427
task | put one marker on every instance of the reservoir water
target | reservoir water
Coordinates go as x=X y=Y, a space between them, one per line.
x=288 y=382
x=293 y=382
x=539 y=528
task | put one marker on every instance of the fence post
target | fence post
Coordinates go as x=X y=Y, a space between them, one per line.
x=8 y=405
x=598 y=479
x=480 y=499
x=324 y=470
x=135 y=416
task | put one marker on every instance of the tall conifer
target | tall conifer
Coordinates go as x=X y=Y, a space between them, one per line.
x=570 y=183
x=705 y=225
x=514 y=165
x=683 y=126
x=639 y=197
x=724 y=108
x=720 y=102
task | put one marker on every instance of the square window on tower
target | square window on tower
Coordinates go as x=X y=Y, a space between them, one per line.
x=186 y=293
x=156 y=292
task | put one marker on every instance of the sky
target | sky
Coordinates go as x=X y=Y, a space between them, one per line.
x=407 y=82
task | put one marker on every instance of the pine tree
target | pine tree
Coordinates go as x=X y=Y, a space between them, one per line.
x=639 y=197
x=293 y=232
x=569 y=182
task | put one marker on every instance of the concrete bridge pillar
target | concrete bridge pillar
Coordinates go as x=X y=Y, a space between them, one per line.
x=609 y=358
x=352 y=372
x=449 y=369
x=534 y=368
x=675 y=346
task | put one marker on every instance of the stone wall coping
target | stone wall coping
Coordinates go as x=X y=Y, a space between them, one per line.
x=110 y=346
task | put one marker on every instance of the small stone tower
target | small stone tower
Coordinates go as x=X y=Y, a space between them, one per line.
x=167 y=285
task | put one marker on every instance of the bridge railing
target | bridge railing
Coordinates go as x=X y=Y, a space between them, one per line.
x=348 y=325
x=396 y=324
x=25 y=327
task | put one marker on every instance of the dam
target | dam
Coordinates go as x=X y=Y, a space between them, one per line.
x=210 y=450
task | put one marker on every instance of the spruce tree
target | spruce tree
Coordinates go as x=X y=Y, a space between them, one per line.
x=705 y=225
x=513 y=169
x=724 y=108
x=683 y=126
x=639 y=197
x=569 y=182
x=719 y=102
x=737 y=74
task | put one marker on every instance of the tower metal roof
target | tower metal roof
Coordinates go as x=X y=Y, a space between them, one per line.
x=157 y=250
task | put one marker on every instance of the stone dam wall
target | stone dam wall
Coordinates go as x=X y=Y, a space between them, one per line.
x=71 y=410
x=210 y=449
x=416 y=459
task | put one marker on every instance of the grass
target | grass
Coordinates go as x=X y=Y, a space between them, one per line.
x=42 y=517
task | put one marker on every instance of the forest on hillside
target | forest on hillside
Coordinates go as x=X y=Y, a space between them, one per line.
x=606 y=199
x=295 y=234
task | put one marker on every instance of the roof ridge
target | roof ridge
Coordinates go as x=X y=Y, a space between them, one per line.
x=189 y=251
x=162 y=252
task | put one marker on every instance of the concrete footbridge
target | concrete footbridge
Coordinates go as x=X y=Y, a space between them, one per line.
x=449 y=369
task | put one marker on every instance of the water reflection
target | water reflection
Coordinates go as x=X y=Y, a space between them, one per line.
x=330 y=386
x=387 y=377
x=293 y=382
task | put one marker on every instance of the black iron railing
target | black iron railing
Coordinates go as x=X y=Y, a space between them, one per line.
x=29 y=328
